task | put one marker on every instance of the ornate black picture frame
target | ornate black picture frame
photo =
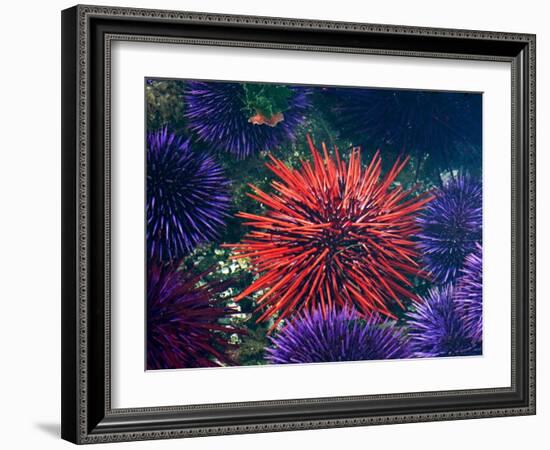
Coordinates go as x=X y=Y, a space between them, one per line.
x=87 y=35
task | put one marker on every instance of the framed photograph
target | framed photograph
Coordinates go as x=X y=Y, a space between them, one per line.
x=281 y=224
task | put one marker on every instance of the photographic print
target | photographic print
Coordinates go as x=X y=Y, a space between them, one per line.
x=293 y=224
x=369 y=218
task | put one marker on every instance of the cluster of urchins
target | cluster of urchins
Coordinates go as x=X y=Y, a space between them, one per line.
x=335 y=254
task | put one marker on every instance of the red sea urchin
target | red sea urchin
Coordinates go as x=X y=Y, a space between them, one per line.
x=334 y=235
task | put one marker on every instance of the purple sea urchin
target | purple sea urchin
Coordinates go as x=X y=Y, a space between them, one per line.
x=183 y=321
x=187 y=197
x=437 y=327
x=220 y=114
x=451 y=227
x=340 y=335
x=469 y=293
x=429 y=125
